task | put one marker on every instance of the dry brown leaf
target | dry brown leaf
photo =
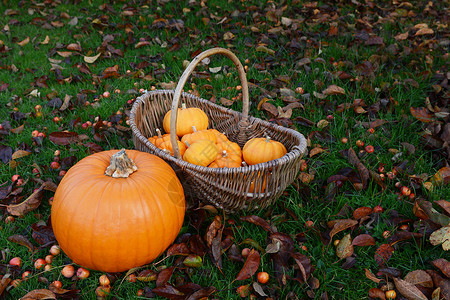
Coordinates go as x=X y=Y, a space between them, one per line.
x=74 y=47
x=17 y=130
x=284 y=114
x=32 y=202
x=442 y=176
x=322 y=124
x=424 y=31
x=261 y=102
x=46 y=40
x=24 y=42
x=401 y=36
x=228 y=36
x=441 y=236
x=333 y=90
x=270 y=108
x=419 y=277
x=305 y=177
x=409 y=290
x=315 y=151
x=344 y=248
x=262 y=48
x=364 y=240
x=342 y=225
x=40 y=294
x=20 y=153
x=371 y=276
x=64 y=53
x=444 y=204
x=91 y=59
x=362 y=212
x=443 y=265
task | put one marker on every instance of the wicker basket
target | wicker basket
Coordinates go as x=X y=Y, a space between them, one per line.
x=227 y=188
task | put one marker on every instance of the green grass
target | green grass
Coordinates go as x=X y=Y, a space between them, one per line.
x=310 y=201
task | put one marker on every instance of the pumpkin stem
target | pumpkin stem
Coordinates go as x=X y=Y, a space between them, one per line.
x=244 y=164
x=158 y=132
x=183 y=105
x=267 y=139
x=121 y=165
x=187 y=143
x=224 y=153
x=194 y=128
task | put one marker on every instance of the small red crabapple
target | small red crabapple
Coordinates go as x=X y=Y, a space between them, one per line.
x=41 y=134
x=15 y=177
x=359 y=143
x=15 y=261
x=34 y=133
x=369 y=149
x=84 y=126
x=57 y=284
x=82 y=273
x=62 y=173
x=55 y=165
x=9 y=219
x=56 y=119
x=378 y=209
x=25 y=275
x=309 y=224
x=371 y=130
x=245 y=252
x=344 y=140
x=48 y=259
x=406 y=191
x=106 y=94
x=55 y=250
x=104 y=280
x=39 y=263
x=68 y=271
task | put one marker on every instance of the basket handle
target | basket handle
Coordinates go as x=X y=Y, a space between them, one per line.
x=187 y=72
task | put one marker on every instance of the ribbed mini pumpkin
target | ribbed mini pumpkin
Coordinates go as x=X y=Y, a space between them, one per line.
x=115 y=210
x=260 y=150
x=187 y=117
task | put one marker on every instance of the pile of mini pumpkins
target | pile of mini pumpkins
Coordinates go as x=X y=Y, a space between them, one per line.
x=211 y=148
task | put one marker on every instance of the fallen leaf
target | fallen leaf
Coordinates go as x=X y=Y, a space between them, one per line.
x=46 y=40
x=342 y=225
x=322 y=124
x=39 y=294
x=363 y=240
x=64 y=53
x=168 y=291
x=377 y=293
x=354 y=160
x=401 y=36
x=424 y=31
x=315 y=151
x=4 y=283
x=63 y=138
x=18 y=129
x=164 y=276
x=440 y=282
x=304 y=264
x=442 y=176
x=251 y=265
x=344 y=248
x=264 y=49
x=74 y=47
x=91 y=59
x=213 y=229
x=178 y=249
x=422 y=114
x=5 y=153
x=258 y=221
x=20 y=153
x=371 y=276
x=362 y=212
x=193 y=261
x=383 y=254
x=441 y=236
x=258 y=289
x=21 y=240
x=226 y=102
x=24 y=42
x=147 y=275
x=444 y=204
x=419 y=277
x=29 y=204
x=333 y=90
x=408 y=290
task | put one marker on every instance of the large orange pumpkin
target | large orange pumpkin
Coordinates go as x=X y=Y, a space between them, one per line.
x=121 y=220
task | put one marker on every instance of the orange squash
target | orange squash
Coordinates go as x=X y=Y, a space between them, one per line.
x=231 y=148
x=260 y=150
x=167 y=145
x=198 y=135
x=116 y=210
x=158 y=139
x=187 y=117
x=224 y=160
x=202 y=153
x=220 y=137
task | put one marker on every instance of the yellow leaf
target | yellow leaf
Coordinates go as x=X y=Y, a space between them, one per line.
x=316 y=151
x=91 y=59
x=441 y=236
x=46 y=40
x=424 y=31
x=24 y=42
x=322 y=124
x=20 y=153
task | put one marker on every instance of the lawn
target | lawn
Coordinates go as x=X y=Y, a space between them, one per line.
x=365 y=82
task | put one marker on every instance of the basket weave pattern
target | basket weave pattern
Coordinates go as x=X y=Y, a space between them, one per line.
x=226 y=188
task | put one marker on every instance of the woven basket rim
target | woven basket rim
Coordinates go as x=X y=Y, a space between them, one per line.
x=296 y=150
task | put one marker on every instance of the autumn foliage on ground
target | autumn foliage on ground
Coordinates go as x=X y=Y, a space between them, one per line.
x=366 y=82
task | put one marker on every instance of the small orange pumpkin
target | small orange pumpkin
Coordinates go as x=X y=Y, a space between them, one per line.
x=116 y=210
x=158 y=139
x=167 y=145
x=225 y=160
x=187 y=117
x=220 y=137
x=202 y=153
x=260 y=150
x=198 y=135
x=231 y=148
